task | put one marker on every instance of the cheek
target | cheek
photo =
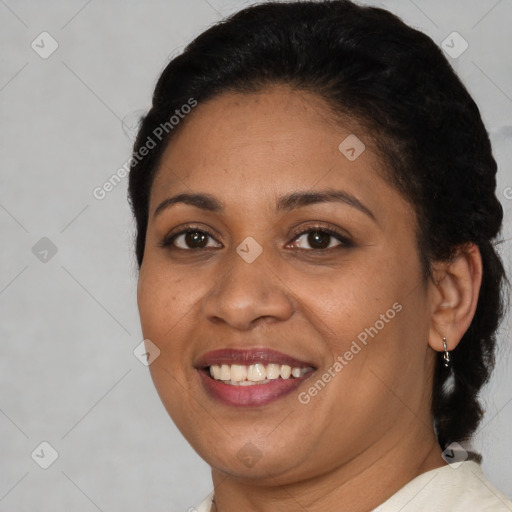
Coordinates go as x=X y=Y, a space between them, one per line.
x=169 y=303
x=350 y=298
x=160 y=303
x=366 y=312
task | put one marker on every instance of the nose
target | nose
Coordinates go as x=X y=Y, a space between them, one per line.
x=247 y=294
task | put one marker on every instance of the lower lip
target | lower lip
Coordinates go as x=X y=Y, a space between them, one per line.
x=252 y=395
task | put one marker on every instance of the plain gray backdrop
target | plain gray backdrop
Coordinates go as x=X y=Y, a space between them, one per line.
x=69 y=321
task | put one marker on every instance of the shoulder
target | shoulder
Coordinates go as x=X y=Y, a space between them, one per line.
x=453 y=488
x=205 y=505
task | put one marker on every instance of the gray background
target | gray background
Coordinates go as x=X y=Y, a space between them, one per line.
x=69 y=321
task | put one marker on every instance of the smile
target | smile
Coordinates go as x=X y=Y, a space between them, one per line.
x=250 y=375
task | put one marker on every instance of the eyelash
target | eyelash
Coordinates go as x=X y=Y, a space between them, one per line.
x=168 y=240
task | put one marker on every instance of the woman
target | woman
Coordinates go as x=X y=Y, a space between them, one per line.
x=314 y=193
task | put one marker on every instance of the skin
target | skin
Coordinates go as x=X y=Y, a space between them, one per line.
x=369 y=431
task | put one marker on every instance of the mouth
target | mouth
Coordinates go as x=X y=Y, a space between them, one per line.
x=251 y=377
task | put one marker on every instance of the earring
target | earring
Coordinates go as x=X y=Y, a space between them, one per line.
x=446 y=355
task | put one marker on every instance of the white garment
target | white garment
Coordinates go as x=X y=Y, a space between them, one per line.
x=461 y=488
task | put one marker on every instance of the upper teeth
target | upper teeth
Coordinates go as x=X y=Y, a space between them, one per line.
x=255 y=372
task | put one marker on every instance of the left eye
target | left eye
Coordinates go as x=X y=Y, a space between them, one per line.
x=321 y=238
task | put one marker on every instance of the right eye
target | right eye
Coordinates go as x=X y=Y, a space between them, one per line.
x=191 y=238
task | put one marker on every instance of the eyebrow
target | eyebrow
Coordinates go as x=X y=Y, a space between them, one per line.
x=284 y=203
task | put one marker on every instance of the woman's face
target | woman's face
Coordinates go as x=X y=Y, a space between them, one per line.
x=348 y=309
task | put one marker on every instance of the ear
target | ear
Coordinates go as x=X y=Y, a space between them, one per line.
x=453 y=296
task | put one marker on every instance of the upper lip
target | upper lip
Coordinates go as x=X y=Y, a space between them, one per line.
x=248 y=357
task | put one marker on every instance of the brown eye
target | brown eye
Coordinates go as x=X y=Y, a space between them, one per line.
x=188 y=239
x=195 y=239
x=318 y=238
x=321 y=238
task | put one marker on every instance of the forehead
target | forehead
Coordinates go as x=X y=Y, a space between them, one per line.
x=254 y=146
